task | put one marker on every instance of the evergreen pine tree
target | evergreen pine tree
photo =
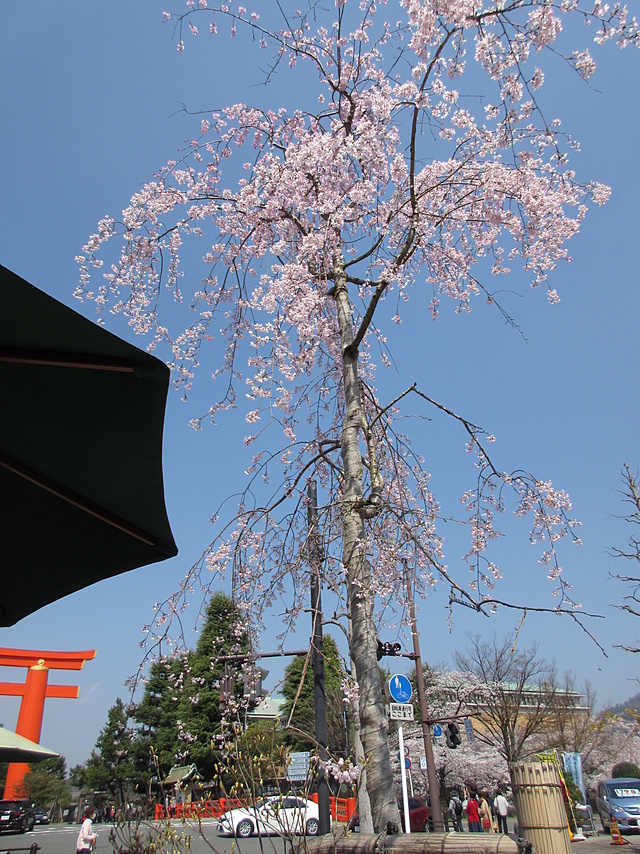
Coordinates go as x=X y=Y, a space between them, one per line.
x=301 y=734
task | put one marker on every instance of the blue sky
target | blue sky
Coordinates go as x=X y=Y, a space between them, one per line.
x=91 y=104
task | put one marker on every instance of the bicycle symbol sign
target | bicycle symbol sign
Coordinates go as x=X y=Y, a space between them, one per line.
x=400 y=689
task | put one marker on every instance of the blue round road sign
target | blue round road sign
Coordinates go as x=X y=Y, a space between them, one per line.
x=400 y=689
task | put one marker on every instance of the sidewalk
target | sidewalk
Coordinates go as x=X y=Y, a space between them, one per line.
x=602 y=844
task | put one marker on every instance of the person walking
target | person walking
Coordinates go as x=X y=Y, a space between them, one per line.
x=472 y=809
x=455 y=811
x=502 y=809
x=485 y=813
x=86 y=837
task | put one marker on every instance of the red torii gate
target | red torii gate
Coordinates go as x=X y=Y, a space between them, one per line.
x=34 y=691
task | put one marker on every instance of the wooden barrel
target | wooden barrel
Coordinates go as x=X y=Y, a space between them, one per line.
x=337 y=842
x=542 y=819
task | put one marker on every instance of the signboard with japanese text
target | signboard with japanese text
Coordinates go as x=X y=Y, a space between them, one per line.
x=573 y=764
x=400 y=712
x=298 y=765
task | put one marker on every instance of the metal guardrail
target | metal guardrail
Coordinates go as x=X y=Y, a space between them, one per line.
x=32 y=849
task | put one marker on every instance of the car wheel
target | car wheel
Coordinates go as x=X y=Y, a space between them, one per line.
x=244 y=829
x=312 y=827
x=605 y=827
x=23 y=826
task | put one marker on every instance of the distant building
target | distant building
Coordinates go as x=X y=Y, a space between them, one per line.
x=268 y=709
x=182 y=782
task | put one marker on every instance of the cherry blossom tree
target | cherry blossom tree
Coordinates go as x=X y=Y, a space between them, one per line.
x=618 y=739
x=518 y=698
x=453 y=696
x=316 y=226
x=598 y=736
x=473 y=761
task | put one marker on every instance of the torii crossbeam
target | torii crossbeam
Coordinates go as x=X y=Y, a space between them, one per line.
x=34 y=691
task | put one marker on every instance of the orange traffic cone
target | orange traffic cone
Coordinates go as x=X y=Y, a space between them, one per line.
x=616 y=836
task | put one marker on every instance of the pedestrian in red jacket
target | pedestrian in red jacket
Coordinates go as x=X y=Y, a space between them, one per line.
x=472 y=809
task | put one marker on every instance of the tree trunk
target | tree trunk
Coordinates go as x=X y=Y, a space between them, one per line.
x=373 y=718
x=364 y=804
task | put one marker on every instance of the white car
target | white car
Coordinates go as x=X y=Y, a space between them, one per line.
x=279 y=815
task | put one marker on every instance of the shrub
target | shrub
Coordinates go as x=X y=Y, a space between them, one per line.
x=625 y=769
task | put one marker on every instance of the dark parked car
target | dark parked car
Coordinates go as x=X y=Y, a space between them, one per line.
x=419 y=814
x=17 y=814
x=42 y=815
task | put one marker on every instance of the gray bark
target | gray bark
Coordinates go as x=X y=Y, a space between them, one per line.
x=364 y=804
x=373 y=718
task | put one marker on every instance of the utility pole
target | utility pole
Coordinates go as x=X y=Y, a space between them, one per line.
x=432 y=777
x=319 y=697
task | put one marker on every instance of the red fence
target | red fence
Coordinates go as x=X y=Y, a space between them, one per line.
x=202 y=809
x=341 y=808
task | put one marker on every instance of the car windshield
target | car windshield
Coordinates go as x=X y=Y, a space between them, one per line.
x=624 y=791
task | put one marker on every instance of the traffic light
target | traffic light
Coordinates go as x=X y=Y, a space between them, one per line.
x=252 y=682
x=452 y=734
x=387 y=649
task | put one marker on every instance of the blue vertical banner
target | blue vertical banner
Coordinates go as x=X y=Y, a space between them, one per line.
x=468 y=727
x=573 y=764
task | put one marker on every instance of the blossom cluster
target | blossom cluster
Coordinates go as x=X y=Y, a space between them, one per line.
x=341 y=770
x=317 y=227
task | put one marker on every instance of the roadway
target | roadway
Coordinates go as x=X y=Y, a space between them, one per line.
x=61 y=839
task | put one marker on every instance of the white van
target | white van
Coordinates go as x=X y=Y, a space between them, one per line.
x=619 y=799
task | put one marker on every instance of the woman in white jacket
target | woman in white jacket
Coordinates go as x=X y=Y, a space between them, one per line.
x=86 y=837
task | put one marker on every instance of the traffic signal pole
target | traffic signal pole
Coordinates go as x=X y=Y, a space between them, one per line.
x=432 y=777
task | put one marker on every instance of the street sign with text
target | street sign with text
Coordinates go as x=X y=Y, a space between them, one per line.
x=400 y=711
x=298 y=765
x=468 y=726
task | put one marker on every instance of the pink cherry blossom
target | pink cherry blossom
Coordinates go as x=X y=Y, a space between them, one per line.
x=318 y=227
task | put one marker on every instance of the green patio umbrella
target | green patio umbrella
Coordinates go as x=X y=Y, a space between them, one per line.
x=16 y=748
x=81 y=420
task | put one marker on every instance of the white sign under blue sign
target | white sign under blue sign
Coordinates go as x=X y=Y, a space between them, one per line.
x=400 y=711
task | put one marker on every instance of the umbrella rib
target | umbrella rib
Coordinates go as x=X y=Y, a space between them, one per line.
x=50 y=358
x=77 y=501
